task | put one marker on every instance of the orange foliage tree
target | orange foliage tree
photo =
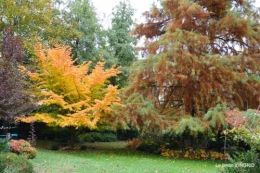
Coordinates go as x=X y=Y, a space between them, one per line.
x=201 y=56
x=71 y=96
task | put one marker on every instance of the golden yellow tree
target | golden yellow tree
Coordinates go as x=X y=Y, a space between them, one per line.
x=72 y=96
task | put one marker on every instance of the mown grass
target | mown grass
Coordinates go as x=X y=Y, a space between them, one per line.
x=114 y=157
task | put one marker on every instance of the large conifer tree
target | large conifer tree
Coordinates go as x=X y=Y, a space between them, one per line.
x=121 y=43
x=82 y=16
x=202 y=56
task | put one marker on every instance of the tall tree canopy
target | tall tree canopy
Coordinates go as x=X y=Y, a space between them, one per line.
x=121 y=43
x=202 y=57
x=15 y=95
x=27 y=18
x=34 y=21
x=71 y=96
x=82 y=16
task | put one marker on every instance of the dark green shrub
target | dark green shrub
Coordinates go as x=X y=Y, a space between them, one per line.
x=4 y=147
x=151 y=142
x=22 y=147
x=97 y=136
x=86 y=137
x=54 y=147
x=83 y=147
x=108 y=137
x=127 y=134
x=244 y=162
x=149 y=147
x=10 y=162
x=62 y=134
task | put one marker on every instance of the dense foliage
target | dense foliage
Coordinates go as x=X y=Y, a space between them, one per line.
x=10 y=162
x=15 y=94
x=82 y=17
x=194 y=154
x=244 y=162
x=120 y=42
x=4 y=147
x=201 y=58
x=245 y=128
x=97 y=137
x=71 y=96
x=23 y=148
x=35 y=21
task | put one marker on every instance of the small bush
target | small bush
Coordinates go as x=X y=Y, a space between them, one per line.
x=151 y=142
x=97 y=137
x=149 y=147
x=193 y=154
x=22 y=147
x=54 y=147
x=30 y=153
x=4 y=147
x=83 y=147
x=10 y=162
x=62 y=134
x=86 y=137
x=108 y=137
x=127 y=134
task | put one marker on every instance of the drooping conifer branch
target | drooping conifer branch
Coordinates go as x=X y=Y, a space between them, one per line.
x=201 y=56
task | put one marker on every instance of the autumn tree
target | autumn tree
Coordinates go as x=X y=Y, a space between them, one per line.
x=15 y=94
x=202 y=56
x=71 y=96
x=120 y=42
x=35 y=21
x=27 y=18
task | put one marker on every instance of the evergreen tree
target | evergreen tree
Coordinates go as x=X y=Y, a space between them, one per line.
x=202 y=56
x=82 y=16
x=121 y=44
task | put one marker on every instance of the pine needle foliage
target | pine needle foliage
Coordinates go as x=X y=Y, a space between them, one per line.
x=202 y=56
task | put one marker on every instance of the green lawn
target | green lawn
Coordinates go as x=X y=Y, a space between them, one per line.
x=114 y=158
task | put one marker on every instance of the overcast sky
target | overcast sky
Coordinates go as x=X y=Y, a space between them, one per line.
x=105 y=7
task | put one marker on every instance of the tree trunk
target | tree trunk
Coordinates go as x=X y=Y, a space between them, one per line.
x=72 y=135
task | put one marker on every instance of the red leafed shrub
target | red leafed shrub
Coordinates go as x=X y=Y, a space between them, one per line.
x=22 y=147
x=134 y=144
x=235 y=118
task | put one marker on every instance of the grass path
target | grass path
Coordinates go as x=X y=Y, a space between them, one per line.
x=115 y=158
